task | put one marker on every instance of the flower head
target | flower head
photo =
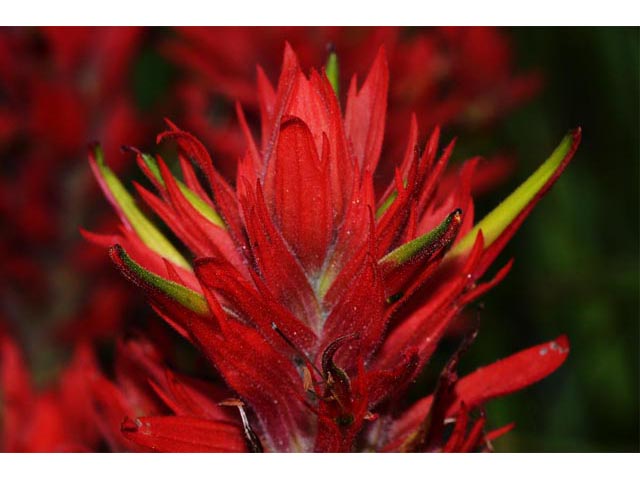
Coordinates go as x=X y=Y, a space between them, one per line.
x=316 y=300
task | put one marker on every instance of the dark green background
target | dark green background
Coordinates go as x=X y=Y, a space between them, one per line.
x=577 y=268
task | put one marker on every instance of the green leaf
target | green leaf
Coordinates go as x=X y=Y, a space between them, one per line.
x=424 y=245
x=206 y=210
x=181 y=294
x=332 y=70
x=506 y=212
x=148 y=233
x=387 y=203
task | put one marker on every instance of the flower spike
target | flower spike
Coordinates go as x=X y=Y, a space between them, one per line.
x=317 y=301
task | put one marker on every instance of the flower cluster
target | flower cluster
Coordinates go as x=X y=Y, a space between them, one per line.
x=315 y=298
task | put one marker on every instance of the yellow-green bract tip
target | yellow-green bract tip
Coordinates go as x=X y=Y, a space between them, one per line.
x=206 y=210
x=181 y=294
x=332 y=70
x=506 y=212
x=425 y=244
x=125 y=203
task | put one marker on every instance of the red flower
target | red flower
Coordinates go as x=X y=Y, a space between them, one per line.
x=317 y=302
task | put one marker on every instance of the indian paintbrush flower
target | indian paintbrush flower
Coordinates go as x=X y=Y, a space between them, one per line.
x=318 y=301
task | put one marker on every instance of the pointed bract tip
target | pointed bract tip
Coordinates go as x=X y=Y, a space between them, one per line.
x=171 y=126
x=427 y=244
x=504 y=220
x=561 y=343
x=576 y=133
x=117 y=254
x=289 y=54
x=130 y=149
x=382 y=53
x=96 y=154
x=150 y=281
x=332 y=71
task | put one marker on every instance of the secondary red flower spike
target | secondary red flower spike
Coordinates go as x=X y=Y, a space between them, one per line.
x=317 y=302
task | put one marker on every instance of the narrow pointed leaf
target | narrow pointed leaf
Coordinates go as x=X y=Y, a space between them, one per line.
x=332 y=70
x=129 y=212
x=365 y=113
x=420 y=246
x=410 y=262
x=523 y=198
x=386 y=204
x=511 y=374
x=500 y=378
x=193 y=198
x=183 y=295
x=223 y=194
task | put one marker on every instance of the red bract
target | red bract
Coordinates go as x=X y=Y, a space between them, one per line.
x=317 y=302
x=144 y=388
x=448 y=76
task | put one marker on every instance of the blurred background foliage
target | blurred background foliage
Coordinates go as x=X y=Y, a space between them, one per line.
x=576 y=268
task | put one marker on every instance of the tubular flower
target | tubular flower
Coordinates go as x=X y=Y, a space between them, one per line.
x=316 y=302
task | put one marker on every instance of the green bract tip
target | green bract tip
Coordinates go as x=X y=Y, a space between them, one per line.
x=332 y=70
x=132 y=215
x=506 y=212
